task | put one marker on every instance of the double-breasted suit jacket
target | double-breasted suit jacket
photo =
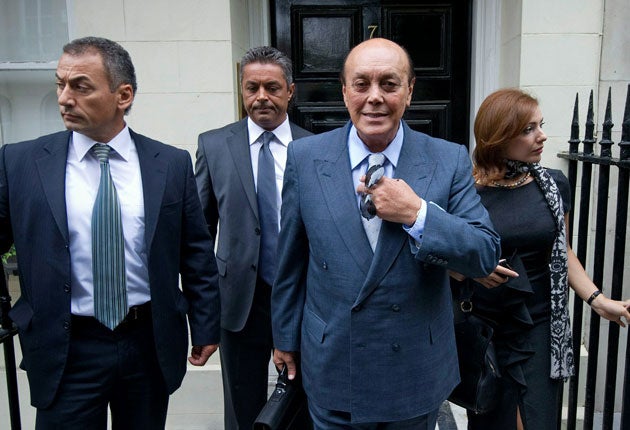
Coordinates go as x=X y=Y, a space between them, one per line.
x=375 y=330
x=228 y=197
x=33 y=215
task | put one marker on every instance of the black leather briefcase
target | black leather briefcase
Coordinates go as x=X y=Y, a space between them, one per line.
x=286 y=409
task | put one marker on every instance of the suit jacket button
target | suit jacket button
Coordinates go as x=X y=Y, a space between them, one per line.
x=395 y=347
x=253 y=266
x=257 y=231
x=357 y=308
x=66 y=325
x=396 y=308
x=325 y=266
x=66 y=288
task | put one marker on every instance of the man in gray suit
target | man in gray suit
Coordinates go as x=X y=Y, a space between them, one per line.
x=368 y=306
x=231 y=186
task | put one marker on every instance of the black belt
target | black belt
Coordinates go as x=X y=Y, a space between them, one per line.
x=135 y=315
x=138 y=313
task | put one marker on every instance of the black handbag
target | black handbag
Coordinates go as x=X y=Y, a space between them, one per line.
x=287 y=408
x=479 y=388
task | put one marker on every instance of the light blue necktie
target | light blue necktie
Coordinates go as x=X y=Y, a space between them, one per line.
x=108 y=248
x=267 y=210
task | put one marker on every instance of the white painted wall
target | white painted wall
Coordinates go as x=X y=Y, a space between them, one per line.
x=614 y=73
x=560 y=55
x=182 y=52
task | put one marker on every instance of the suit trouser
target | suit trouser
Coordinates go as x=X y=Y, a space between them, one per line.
x=117 y=368
x=326 y=419
x=245 y=363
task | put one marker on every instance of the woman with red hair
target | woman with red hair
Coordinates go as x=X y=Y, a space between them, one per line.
x=528 y=205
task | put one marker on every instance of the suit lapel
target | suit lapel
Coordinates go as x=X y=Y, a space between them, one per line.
x=335 y=178
x=238 y=145
x=297 y=132
x=51 y=168
x=416 y=171
x=153 y=169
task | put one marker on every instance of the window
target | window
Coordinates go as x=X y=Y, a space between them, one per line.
x=32 y=30
x=32 y=33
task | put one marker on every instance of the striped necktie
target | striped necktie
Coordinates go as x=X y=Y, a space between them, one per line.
x=267 y=210
x=108 y=248
x=373 y=226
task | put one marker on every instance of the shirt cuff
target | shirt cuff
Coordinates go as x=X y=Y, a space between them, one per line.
x=417 y=229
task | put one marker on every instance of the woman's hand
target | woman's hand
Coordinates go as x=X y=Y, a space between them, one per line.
x=456 y=275
x=612 y=310
x=499 y=276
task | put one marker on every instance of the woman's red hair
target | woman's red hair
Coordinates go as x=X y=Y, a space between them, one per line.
x=502 y=116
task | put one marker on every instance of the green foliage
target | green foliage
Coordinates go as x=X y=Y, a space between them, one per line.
x=10 y=253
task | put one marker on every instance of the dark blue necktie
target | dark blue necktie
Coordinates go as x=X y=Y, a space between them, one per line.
x=267 y=210
x=108 y=248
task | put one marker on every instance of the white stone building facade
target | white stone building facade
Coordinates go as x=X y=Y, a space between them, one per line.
x=186 y=55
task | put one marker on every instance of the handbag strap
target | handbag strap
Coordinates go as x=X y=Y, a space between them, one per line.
x=465 y=296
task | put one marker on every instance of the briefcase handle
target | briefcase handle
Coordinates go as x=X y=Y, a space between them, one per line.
x=287 y=408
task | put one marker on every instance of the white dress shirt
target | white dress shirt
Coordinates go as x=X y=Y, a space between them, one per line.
x=278 y=147
x=82 y=181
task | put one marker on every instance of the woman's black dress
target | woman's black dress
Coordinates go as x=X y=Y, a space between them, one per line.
x=520 y=309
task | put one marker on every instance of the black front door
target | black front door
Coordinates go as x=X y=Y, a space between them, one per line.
x=318 y=34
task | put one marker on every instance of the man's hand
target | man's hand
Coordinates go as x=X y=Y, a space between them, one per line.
x=283 y=358
x=394 y=200
x=199 y=354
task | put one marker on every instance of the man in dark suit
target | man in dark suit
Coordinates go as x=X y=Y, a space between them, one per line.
x=368 y=306
x=229 y=169
x=101 y=317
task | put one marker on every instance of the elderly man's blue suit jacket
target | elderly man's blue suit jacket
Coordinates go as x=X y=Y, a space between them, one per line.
x=33 y=214
x=375 y=330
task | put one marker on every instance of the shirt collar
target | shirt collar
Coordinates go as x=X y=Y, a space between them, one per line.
x=282 y=132
x=121 y=144
x=359 y=152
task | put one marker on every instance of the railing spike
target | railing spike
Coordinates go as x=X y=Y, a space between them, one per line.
x=606 y=142
x=590 y=127
x=574 y=141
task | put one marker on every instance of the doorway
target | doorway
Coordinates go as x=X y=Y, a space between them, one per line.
x=437 y=34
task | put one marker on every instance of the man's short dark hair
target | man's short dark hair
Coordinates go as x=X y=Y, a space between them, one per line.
x=268 y=55
x=116 y=60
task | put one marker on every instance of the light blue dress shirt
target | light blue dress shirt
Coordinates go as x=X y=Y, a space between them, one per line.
x=359 y=153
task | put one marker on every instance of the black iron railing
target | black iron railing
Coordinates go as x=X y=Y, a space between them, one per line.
x=604 y=161
x=7 y=333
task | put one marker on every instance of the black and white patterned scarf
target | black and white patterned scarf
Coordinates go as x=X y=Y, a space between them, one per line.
x=514 y=168
x=562 y=364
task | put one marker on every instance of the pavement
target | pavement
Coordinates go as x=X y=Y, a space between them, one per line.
x=197 y=405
